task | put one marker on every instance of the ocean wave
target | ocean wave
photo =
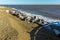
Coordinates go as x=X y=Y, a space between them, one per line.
x=40 y=16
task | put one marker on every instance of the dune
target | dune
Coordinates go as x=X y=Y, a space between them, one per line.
x=12 y=27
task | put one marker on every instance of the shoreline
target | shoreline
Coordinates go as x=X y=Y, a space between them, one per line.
x=47 y=19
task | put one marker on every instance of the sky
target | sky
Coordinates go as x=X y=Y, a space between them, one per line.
x=30 y=2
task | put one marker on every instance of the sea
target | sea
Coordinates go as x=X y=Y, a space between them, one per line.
x=46 y=12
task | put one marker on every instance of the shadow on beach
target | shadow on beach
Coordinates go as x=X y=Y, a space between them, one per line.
x=42 y=34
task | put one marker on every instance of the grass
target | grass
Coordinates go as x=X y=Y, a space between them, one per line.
x=22 y=27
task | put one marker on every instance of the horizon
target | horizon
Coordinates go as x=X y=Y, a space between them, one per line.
x=29 y=2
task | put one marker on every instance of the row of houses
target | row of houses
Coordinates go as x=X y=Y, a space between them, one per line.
x=26 y=17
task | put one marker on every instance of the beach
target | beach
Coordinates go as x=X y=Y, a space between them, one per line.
x=31 y=31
